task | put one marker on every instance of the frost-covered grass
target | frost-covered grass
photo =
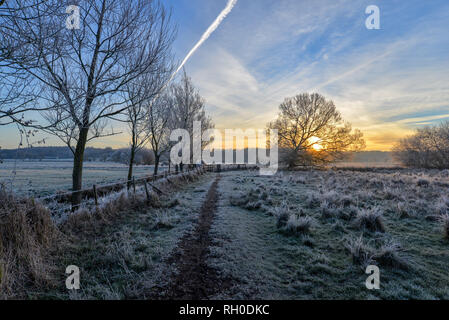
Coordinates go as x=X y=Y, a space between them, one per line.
x=43 y=178
x=127 y=258
x=319 y=230
x=296 y=235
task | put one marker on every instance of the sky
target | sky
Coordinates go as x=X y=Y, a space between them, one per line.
x=386 y=82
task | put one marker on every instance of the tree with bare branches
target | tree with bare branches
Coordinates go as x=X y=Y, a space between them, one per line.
x=312 y=132
x=427 y=148
x=161 y=122
x=81 y=74
x=188 y=107
x=140 y=115
x=17 y=93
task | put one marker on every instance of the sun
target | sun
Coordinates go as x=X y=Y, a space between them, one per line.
x=315 y=142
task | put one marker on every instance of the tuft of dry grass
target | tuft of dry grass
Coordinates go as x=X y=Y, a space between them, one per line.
x=253 y=200
x=403 y=210
x=444 y=220
x=282 y=214
x=312 y=200
x=239 y=200
x=360 y=252
x=27 y=234
x=423 y=183
x=388 y=256
x=165 y=220
x=370 y=219
x=298 y=225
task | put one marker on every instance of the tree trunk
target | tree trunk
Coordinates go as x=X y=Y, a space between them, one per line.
x=77 y=174
x=131 y=165
x=156 y=164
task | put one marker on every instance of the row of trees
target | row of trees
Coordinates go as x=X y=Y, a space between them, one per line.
x=427 y=148
x=115 y=67
x=151 y=120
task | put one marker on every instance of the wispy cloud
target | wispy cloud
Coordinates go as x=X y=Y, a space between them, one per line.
x=385 y=82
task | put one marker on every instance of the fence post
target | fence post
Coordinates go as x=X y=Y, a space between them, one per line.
x=75 y=207
x=146 y=190
x=95 y=195
x=134 y=185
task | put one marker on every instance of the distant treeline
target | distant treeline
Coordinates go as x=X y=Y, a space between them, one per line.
x=371 y=156
x=144 y=156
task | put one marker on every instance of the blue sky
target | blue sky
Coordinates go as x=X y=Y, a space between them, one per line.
x=386 y=82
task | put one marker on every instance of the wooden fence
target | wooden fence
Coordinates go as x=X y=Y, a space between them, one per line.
x=98 y=191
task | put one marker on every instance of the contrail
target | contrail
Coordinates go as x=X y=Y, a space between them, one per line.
x=230 y=5
x=209 y=31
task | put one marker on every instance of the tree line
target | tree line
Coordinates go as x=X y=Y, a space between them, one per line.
x=427 y=148
x=114 y=67
x=143 y=157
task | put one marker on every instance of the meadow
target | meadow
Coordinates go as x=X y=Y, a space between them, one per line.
x=44 y=178
x=239 y=235
x=311 y=234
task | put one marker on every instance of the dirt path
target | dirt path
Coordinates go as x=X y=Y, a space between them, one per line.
x=196 y=280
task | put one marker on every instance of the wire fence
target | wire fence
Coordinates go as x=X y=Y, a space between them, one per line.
x=97 y=191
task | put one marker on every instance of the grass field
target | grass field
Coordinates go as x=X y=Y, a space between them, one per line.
x=127 y=259
x=310 y=235
x=299 y=235
x=43 y=178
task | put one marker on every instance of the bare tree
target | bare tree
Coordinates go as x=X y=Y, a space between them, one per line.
x=427 y=148
x=312 y=132
x=82 y=73
x=136 y=117
x=17 y=93
x=189 y=106
x=161 y=121
x=140 y=116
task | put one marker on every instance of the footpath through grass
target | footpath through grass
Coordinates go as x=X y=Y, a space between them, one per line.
x=127 y=259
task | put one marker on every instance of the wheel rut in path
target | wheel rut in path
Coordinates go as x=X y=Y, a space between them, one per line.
x=196 y=280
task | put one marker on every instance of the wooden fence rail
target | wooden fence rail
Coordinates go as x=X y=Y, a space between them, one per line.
x=98 y=191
